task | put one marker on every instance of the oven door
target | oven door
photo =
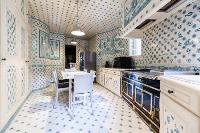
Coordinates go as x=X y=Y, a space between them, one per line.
x=130 y=87
x=127 y=90
x=156 y=107
x=138 y=93
x=147 y=101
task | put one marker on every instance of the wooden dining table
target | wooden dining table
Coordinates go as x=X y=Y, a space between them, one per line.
x=70 y=74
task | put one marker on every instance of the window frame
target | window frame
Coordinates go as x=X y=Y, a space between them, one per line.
x=132 y=47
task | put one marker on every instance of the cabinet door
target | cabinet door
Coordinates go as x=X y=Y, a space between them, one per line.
x=175 y=118
x=107 y=80
x=116 y=84
x=13 y=48
x=102 y=80
x=98 y=78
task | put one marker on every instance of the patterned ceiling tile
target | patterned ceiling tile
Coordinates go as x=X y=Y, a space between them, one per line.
x=94 y=15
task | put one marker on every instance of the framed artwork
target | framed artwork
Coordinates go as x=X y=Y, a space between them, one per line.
x=43 y=44
x=132 y=8
x=54 y=49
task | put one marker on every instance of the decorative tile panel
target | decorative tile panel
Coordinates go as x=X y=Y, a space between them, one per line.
x=11 y=85
x=132 y=8
x=172 y=123
x=109 y=47
x=22 y=7
x=11 y=33
x=23 y=47
x=23 y=85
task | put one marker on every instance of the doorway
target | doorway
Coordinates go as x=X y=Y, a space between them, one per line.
x=70 y=55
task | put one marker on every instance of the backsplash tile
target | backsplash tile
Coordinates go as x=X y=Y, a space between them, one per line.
x=175 y=41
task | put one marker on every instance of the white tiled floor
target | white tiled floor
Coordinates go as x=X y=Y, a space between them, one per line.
x=111 y=115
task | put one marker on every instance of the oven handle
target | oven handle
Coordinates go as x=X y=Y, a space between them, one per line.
x=143 y=84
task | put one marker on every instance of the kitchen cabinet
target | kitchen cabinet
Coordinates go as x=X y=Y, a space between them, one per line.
x=110 y=79
x=179 y=105
x=175 y=118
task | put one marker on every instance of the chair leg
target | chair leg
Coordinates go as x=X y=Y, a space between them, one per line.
x=55 y=100
x=84 y=100
x=91 y=104
x=73 y=102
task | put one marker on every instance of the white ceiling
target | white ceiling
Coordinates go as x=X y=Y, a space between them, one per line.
x=95 y=16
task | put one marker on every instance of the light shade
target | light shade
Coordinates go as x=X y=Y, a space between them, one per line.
x=73 y=42
x=78 y=33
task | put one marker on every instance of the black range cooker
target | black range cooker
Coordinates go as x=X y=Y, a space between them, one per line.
x=141 y=90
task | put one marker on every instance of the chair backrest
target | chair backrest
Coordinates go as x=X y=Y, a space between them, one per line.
x=83 y=83
x=55 y=76
x=93 y=72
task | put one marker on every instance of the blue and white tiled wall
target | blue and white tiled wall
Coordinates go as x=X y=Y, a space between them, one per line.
x=38 y=64
x=108 y=46
x=42 y=67
x=175 y=41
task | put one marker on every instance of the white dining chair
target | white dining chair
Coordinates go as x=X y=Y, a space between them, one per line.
x=83 y=87
x=94 y=74
x=60 y=86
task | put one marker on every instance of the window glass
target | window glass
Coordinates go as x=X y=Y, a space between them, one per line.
x=135 y=47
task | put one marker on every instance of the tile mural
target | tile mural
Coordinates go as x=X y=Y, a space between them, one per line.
x=132 y=8
x=108 y=46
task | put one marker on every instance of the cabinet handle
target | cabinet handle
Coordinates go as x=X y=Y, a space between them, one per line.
x=27 y=61
x=170 y=91
x=3 y=59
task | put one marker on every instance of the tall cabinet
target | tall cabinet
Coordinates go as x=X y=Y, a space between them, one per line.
x=15 y=38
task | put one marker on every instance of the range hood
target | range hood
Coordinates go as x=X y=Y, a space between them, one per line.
x=145 y=23
x=156 y=15
x=171 y=5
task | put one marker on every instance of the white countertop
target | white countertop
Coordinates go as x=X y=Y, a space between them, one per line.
x=187 y=82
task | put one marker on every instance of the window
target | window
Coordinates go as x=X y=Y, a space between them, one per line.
x=135 y=47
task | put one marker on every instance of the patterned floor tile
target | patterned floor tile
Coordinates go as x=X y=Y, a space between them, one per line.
x=111 y=115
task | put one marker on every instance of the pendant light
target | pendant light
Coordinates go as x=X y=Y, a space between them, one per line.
x=73 y=41
x=76 y=30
